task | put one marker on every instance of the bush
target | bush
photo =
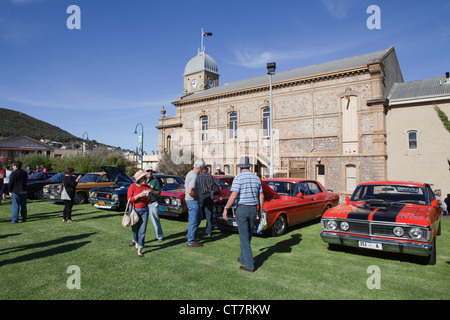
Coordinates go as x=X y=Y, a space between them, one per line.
x=81 y=163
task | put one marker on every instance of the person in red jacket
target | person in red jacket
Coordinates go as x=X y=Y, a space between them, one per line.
x=138 y=196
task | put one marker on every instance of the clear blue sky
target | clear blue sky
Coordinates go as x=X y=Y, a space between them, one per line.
x=128 y=58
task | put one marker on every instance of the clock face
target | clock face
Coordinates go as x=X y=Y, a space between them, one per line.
x=211 y=83
x=194 y=83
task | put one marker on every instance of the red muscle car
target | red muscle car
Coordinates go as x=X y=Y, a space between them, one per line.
x=390 y=216
x=287 y=202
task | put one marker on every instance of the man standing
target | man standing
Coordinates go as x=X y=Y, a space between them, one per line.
x=191 y=201
x=247 y=191
x=18 y=191
x=155 y=192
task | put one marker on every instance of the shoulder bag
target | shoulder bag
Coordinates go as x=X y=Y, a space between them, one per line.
x=131 y=219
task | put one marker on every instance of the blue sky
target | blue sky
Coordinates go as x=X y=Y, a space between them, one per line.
x=128 y=58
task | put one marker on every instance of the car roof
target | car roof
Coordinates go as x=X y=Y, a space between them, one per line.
x=288 y=179
x=410 y=183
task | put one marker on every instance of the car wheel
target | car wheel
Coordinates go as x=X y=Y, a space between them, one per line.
x=431 y=259
x=80 y=198
x=326 y=208
x=39 y=194
x=279 y=226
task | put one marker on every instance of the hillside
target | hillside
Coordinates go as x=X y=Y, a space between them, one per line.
x=13 y=123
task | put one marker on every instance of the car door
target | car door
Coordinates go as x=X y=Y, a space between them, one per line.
x=305 y=208
x=317 y=198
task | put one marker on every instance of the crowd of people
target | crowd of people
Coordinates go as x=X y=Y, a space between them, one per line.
x=200 y=187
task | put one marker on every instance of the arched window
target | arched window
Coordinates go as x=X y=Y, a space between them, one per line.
x=232 y=125
x=204 y=128
x=412 y=140
x=266 y=117
x=169 y=144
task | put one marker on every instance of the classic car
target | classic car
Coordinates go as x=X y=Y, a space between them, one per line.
x=401 y=217
x=172 y=203
x=287 y=202
x=35 y=184
x=115 y=197
x=111 y=176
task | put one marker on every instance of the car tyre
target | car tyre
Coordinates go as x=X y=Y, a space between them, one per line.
x=80 y=198
x=279 y=226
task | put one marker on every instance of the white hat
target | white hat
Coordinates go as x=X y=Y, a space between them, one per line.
x=199 y=163
x=139 y=175
x=149 y=168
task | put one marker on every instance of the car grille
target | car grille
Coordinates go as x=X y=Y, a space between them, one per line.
x=371 y=228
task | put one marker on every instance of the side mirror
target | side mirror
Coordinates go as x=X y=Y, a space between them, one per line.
x=434 y=203
x=299 y=195
x=347 y=199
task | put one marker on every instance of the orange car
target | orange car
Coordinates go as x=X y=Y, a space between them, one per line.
x=110 y=177
x=287 y=202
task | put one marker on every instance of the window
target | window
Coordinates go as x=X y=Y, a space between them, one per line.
x=412 y=140
x=350 y=171
x=349 y=118
x=233 y=125
x=266 y=117
x=227 y=169
x=169 y=144
x=204 y=124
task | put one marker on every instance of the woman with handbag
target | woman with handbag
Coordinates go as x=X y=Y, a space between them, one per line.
x=138 y=196
x=69 y=184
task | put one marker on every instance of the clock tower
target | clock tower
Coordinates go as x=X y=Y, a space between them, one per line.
x=200 y=73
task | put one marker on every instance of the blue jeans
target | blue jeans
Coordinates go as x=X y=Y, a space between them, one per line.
x=19 y=200
x=246 y=217
x=206 y=205
x=154 y=217
x=194 y=219
x=139 y=229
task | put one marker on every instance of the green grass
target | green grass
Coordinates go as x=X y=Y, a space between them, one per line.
x=34 y=257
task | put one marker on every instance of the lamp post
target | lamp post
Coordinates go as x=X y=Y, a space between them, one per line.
x=142 y=143
x=271 y=66
x=83 y=147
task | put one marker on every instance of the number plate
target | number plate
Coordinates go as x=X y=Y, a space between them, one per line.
x=102 y=203
x=370 y=245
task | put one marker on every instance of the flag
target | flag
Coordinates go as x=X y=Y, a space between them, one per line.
x=207 y=34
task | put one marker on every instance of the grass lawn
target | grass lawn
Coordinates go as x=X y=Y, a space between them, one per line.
x=35 y=256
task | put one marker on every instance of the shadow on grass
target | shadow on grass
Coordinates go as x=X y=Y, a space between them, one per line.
x=61 y=248
x=284 y=246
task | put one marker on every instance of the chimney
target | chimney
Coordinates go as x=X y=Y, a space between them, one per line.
x=447 y=78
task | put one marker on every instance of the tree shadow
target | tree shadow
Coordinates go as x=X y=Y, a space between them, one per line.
x=45 y=253
x=284 y=246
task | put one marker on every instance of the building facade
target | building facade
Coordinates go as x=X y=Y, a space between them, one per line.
x=418 y=144
x=328 y=119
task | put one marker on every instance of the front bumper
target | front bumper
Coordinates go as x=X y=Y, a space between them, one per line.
x=105 y=204
x=171 y=211
x=414 y=248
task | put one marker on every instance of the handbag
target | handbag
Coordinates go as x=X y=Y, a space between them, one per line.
x=262 y=223
x=131 y=219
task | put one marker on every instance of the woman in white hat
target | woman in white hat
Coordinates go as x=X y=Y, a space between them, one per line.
x=138 y=195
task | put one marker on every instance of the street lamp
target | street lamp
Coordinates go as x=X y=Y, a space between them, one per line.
x=271 y=66
x=83 y=147
x=142 y=143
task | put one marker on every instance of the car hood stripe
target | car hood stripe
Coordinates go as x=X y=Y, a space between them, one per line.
x=365 y=212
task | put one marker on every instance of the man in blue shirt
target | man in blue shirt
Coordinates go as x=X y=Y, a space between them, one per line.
x=247 y=192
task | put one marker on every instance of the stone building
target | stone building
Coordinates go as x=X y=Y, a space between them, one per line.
x=328 y=119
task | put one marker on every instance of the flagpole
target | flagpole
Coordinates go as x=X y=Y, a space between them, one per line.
x=201 y=48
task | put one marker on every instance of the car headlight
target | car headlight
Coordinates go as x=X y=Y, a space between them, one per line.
x=167 y=201
x=416 y=233
x=176 y=202
x=115 y=197
x=91 y=194
x=344 y=225
x=398 y=231
x=331 y=224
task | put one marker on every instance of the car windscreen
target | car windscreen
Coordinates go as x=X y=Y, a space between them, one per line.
x=90 y=177
x=283 y=188
x=390 y=193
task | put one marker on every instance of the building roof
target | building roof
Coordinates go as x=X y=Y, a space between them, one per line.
x=427 y=89
x=201 y=62
x=328 y=67
x=25 y=143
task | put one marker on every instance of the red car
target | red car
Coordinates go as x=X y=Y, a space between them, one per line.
x=287 y=202
x=390 y=216
x=171 y=202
